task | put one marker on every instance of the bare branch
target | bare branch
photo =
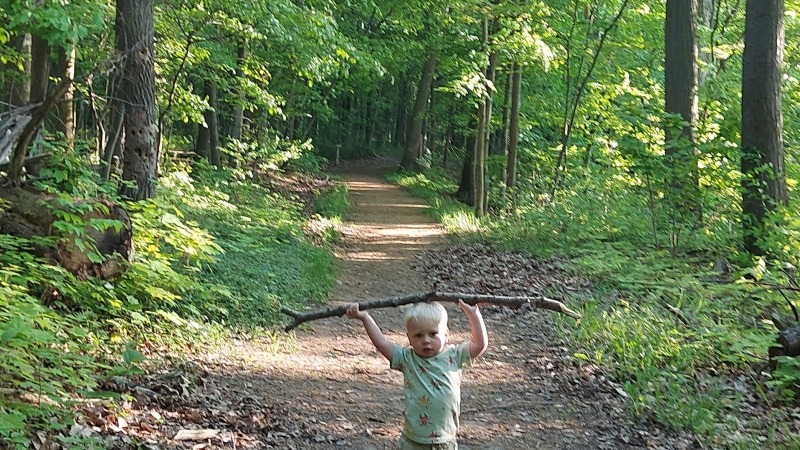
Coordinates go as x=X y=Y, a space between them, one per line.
x=449 y=297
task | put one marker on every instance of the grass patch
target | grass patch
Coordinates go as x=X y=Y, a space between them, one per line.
x=437 y=190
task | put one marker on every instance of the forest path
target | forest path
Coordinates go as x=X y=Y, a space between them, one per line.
x=524 y=393
x=328 y=388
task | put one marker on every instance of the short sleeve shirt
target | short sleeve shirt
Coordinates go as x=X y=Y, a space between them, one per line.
x=432 y=392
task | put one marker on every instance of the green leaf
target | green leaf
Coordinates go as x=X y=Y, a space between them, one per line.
x=131 y=355
x=11 y=421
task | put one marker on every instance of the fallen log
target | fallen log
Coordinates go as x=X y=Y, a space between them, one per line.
x=29 y=214
x=449 y=297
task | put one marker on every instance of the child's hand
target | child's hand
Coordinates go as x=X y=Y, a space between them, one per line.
x=353 y=311
x=467 y=308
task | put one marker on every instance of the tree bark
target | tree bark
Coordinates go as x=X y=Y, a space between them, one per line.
x=680 y=87
x=466 y=186
x=538 y=301
x=212 y=119
x=762 y=164
x=18 y=83
x=134 y=26
x=66 y=105
x=414 y=134
x=513 y=128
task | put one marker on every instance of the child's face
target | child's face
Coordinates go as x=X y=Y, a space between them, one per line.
x=427 y=337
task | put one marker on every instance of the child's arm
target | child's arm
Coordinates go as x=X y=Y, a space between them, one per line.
x=381 y=343
x=480 y=338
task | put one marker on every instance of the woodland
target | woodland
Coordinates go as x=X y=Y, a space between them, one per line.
x=164 y=184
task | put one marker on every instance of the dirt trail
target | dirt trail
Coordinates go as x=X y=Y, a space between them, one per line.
x=344 y=391
x=330 y=389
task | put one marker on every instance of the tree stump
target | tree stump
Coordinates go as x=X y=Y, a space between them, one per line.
x=30 y=213
x=790 y=341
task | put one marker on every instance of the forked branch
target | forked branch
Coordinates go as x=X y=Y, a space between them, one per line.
x=450 y=297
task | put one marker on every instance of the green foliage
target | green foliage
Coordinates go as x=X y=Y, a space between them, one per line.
x=659 y=325
x=437 y=189
x=272 y=154
x=267 y=260
x=46 y=358
x=786 y=378
x=333 y=203
x=213 y=254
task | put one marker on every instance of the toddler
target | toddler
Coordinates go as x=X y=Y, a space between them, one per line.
x=431 y=371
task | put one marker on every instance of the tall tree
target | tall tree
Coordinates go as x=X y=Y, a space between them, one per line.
x=66 y=107
x=17 y=83
x=414 y=133
x=680 y=87
x=762 y=164
x=134 y=27
x=513 y=128
x=579 y=67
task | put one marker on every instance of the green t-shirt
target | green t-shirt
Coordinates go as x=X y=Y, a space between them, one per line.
x=432 y=392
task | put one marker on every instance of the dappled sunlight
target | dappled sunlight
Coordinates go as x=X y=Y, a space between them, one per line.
x=372 y=256
x=406 y=231
x=355 y=186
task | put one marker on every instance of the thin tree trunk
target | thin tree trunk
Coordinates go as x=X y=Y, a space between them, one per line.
x=513 y=128
x=573 y=102
x=116 y=111
x=66 y=105
x=19 y=82
x=466 y=187
x=212 y=118
x=414 y=134
x=238 y=112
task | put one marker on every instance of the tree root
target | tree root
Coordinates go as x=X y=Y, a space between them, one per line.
x=451 y=297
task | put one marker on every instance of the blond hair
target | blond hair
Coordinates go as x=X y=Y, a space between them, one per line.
x=432 y=311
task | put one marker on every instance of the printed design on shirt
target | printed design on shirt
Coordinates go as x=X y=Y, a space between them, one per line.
x=424 y=420
x=409 y=384
x=425 y=401
x=436 y=385
x=433 y=435
x=451 y=360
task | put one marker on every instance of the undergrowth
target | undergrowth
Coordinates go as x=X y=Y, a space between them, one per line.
x=687 y=344
x=216 y=253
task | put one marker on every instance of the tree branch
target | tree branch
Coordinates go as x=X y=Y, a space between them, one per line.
x=449 y=297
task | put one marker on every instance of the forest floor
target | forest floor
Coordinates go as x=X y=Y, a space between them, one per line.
x=330 y=389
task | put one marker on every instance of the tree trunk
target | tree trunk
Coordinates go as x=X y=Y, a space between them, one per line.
x=112 y=147
x=572 y=102
x=238 y=109
x=401 y=119
x=680 y=87
x=134 y=26
x=414 y=134
x=705 y=14
x=212 y=119
x=466 y=187
x=66 y=109
x=18 y=83
x=513 y=128
x=763 y=176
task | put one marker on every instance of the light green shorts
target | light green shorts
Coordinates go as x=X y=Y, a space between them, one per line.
x=407 y=444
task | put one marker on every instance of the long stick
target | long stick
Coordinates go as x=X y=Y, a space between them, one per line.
x=451 y=297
